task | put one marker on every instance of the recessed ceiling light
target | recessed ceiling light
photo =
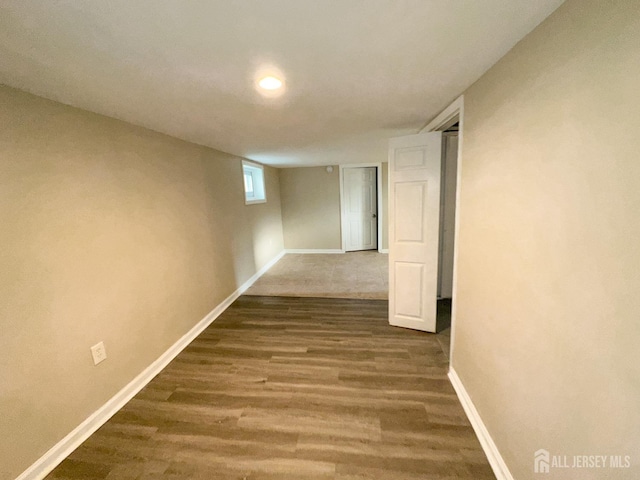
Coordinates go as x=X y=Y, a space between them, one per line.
x=270 y=83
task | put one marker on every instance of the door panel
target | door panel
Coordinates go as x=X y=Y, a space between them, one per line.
x=409 y=225
x=408 y=281
x=414 y=200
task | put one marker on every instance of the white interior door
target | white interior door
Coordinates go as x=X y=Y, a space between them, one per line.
x=360 y=197
x=414 y=224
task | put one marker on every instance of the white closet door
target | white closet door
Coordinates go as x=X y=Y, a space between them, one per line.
x=360 y=208
x=414 y=207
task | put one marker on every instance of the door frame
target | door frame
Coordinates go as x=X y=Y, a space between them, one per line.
x=454 y=112
x=343 y=216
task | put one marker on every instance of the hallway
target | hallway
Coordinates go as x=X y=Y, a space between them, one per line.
x=292 y=388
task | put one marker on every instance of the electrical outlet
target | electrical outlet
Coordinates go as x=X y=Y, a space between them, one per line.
x=99 y=353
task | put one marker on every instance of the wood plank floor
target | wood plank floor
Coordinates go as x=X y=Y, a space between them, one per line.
x=292 y=388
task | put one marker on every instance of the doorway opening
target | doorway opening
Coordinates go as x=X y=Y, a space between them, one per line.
x=361 y=207
x=448 y=188
x=451 y=122
x=417 y=274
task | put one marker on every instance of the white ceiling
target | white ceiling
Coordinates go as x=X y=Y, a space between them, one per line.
x=357 y=71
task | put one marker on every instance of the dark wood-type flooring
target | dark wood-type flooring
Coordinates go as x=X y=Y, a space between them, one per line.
x=292 y=388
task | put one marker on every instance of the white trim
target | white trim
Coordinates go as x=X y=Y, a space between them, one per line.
x=314 y=250
x=496 y=461
x=383 y=250
x=61 y=450
x=379 y=218
x=263 y=181
x=443 y=120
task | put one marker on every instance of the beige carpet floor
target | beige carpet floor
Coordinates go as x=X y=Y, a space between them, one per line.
x=349 y=275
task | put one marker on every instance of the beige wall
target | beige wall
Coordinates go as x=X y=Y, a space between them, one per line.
x=109 y=232
x=311 y=208
x=548 y=304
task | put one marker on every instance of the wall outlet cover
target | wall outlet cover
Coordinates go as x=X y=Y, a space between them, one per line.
x=99 y=353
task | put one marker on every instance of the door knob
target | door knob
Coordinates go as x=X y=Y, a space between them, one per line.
x=374 y=215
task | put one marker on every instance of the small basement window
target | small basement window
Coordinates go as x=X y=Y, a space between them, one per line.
x=254 y=191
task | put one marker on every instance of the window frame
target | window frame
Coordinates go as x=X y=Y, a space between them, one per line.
x=258 y=193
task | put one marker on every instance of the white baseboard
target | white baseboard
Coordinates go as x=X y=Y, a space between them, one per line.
x=61 y=450
x=383 y=250
x=314 y=250
x=245 y=286
x=500 y=468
